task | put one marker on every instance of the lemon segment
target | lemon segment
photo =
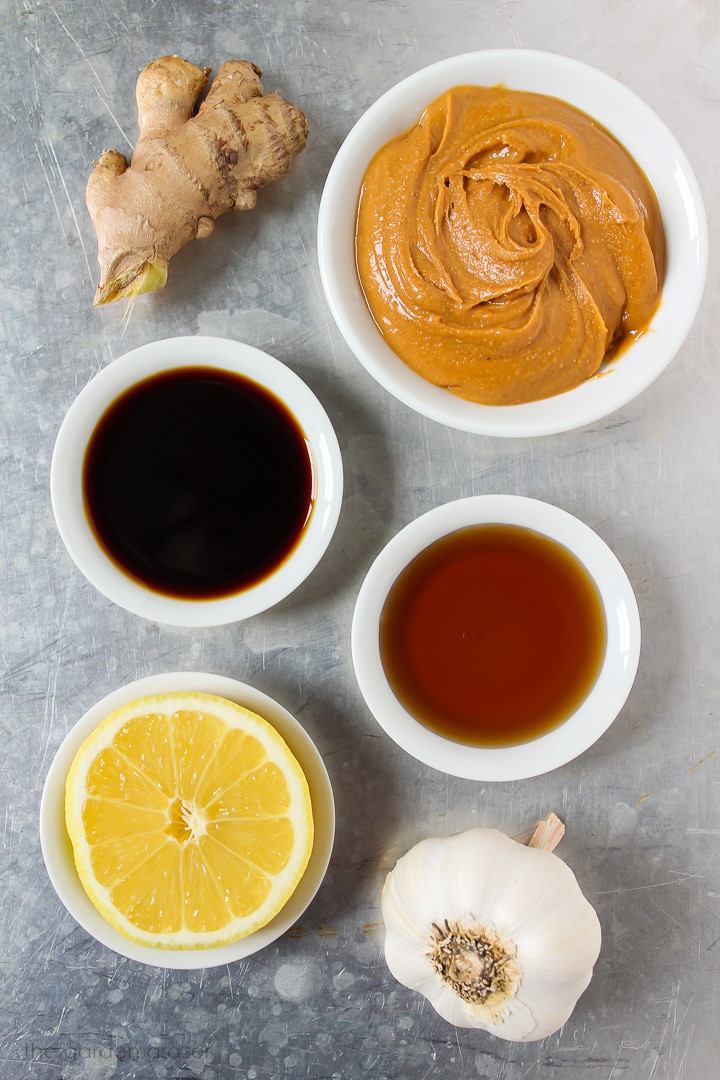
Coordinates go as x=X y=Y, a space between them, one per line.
x=190 y=820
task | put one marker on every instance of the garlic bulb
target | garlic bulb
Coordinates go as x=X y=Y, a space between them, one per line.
x=495 y=934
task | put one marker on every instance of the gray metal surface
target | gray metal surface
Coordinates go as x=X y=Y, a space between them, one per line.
x=642 y=807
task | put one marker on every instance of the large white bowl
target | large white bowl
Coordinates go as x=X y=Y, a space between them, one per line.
x=91 y=403
x=57 y=849
x=590 y=719
x=643 y=134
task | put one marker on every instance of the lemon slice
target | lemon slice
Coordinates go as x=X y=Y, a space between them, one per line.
x=190 y=820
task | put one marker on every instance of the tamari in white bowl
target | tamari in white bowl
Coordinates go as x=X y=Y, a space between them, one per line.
x=581 y=729
x=57 y=849
x=170 y=354
x=634 y=125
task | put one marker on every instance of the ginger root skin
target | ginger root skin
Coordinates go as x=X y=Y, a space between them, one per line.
x=186 y=169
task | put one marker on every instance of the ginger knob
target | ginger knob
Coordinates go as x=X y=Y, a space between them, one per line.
x=187 y=169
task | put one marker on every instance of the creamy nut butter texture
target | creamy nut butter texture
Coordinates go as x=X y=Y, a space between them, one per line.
x=505 y=243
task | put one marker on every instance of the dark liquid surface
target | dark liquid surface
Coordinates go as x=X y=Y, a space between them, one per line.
x=198 y=482
x=493 y=635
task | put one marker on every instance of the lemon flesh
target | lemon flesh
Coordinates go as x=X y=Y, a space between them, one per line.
x=190 y=820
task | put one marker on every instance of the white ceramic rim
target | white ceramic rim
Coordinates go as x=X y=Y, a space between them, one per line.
x=635 y=125
x=57 y=849
x=584 y=726
x=168 y=354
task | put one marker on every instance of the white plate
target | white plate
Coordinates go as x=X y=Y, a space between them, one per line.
x=643 y=134
x=168 y=354
x=593 y=716
x=57 y=849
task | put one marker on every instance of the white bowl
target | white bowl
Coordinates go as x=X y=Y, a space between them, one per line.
x=596 y=712
x=642 y=133
x=57 y=849
x=168 y=354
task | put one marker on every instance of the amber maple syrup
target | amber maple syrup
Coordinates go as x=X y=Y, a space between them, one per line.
x=493 y=635
x=198 y=482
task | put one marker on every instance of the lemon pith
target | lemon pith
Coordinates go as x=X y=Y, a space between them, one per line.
x=190 y=820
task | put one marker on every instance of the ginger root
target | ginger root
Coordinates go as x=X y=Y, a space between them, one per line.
x=186 y=169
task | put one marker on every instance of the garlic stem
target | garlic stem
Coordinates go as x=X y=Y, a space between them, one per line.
x=548 y=833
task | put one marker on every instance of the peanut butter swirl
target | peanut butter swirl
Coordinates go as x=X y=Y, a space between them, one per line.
x=505 y=243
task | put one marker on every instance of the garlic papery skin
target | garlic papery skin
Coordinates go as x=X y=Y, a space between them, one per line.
x=496 y=935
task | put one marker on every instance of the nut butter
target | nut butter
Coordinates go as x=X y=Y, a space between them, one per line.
x=506 y=243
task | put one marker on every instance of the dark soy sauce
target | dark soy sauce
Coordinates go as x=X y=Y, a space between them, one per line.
x=198 y=483
x=493 y=635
